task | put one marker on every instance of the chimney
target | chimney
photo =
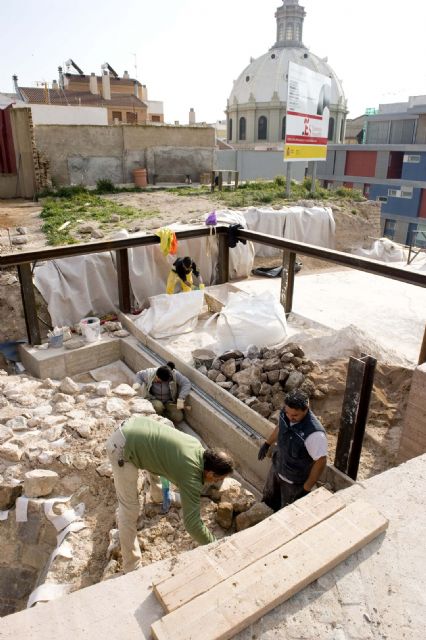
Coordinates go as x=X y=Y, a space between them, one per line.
x=191 y=116
x=106 y=86
x=55 y=85
x=93 y=84
x=15 y=83
x=126 y=75
x=61 y=78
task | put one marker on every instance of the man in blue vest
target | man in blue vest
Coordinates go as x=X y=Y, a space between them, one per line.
x=301 y=453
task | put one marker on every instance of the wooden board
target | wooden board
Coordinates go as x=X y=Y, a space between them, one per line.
x=235 y=603
x=209 y=566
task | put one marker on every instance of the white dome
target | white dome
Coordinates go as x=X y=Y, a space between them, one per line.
x=268 y=75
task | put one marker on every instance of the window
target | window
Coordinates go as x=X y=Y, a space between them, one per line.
x=394 y=193
x=230 y=129
x=297 y=34
x=242 y=131
x=289 y=31
x=131 y=117
x=283 y=129
x=117 y=115
x=280 y=32
x=331 y=129
x=389 y=230
x=155 y=118
x=262 y=128
x=377 y=133
x=407 y=192
x=410 y=158
x=402 y=132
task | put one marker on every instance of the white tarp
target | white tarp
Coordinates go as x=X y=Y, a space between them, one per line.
x=250 y=319
x=384 y=250
x=170 y=315
x=312 y=225
x=76 y=287
x=241 y=257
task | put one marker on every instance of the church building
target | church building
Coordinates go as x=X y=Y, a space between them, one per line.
x=256 y=109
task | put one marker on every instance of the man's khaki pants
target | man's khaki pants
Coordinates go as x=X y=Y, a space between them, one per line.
x=168 y=409
x=126 y=486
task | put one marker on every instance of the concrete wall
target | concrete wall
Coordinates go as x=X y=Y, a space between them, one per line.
x=85 y=154
x=413 y=437
x=22 y=184
x=58 y=114
x=253 y=165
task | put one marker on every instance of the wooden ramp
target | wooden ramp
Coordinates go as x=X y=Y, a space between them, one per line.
x=221 y=603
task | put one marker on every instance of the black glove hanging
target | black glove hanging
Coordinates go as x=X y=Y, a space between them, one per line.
x=232 y=235
x=263 y=451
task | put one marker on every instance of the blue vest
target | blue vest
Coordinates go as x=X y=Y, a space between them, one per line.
x=292 y=459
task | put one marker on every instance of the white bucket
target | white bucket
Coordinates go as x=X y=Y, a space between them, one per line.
x=91 y=329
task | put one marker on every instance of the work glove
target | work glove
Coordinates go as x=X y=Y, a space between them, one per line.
x=263 y=451
x=180 y=403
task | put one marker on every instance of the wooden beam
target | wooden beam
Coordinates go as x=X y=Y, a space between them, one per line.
x=29 y=304
x=223 y=260
x=195 y=575
x=362 y=416
x=354 y=381
x=287 y=280
x=123 y=277
x=237 y=602
x=422 y=354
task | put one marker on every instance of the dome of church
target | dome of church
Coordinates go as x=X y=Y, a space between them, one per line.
x=256 y=109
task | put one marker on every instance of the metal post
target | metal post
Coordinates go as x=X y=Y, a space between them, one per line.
x=287 y=280
x=123 y=276
x=29 y=303
x=288 y=181
x=362 y=417
x=314 y=177
x=212 y=184
x=223 y=259
x=422 y=355
x=220 y=185
x=237 y=178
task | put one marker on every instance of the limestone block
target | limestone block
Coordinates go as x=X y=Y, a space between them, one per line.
x=105 y=469
x=17 y=424
x=63 y=397
x=224 y=514
x=231 y=491
x=70 y=387
x=220 y=378
x=229 y=368
x=278 y=400
x=80 y=461
x=273 y=376
x=64 y=407
x=141 y=405
x=272 y=364
x=294 y=380
x=11 y=452
x=264 y=408
x=247 y=376
x=287 y=357
x=46 y=457
x=225 y=385
x=42 y=410
x=265 y=389
x=52 y=421
x=231 y=354
x=308 y=387
x=117 y=407
x=294 y=348
x=124 y=390
x=5 y=434
x=9 y=491
x=252 y=516
x=54 y=433
x=213 y=374
x=39 y=482
x=103 y=388
x=121 y=333
x=253 y=352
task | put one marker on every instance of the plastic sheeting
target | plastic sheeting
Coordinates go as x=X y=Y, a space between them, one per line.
x=170 y=315
x=312 y=225
x=384 y=250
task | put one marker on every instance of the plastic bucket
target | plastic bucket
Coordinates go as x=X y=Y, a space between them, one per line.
x=140 y=178
x=203 y=357
x=91 y=329
x=56 y=341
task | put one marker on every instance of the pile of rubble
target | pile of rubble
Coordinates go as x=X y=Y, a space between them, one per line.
x=57 y=499
x=262 y=377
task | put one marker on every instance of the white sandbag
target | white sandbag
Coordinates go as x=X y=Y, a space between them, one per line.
x=171 y=315
x=251 y=319
x=384 y=250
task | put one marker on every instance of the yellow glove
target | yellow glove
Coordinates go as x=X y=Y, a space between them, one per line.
x=201 y=286
x=180 y=404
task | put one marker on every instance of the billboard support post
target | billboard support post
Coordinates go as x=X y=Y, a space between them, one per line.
x=314 y=177
x=288 y=181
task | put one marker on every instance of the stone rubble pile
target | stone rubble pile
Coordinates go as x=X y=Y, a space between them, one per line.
x=262 y=377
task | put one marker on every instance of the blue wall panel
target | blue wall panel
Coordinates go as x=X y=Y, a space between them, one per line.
x=398 y=206
x=415 y=170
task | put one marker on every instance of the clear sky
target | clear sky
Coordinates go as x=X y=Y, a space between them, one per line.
x=188 y=52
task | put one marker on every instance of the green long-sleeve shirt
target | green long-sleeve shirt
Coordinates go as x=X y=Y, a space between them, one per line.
x=178 y=457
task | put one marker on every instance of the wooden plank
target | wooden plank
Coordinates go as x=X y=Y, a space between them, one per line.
x=354 y=382
x=123 y=277
x=29 y=303
x=223 y=260
x=239 y=601
x=195 y=575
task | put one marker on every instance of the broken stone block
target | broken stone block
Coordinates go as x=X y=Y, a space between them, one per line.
x=231 y=491
x=39 y=482
x=74 y=343
x=236 y=355
x=255 y=387
x=220 y=378
x=283 y=375
x=103 y=388
x=141 y=405
x=70 y=387
x=11 y=452
x=9 y=491
x=247 y=376
x=213 y=374
x=124 y=390
x=97 y=233
x=278 y=400
x=17 y=424
x=87 y=227
x=263 y=408
x=275 y=416
x=64 y=407
x=258 y=512
x=253 y=352
x=54 y=433
x=216 y=364
x=118 y=408
x=295 y=349
x=203 y=370
x=105 y=469
x=225 y=385
x=5 y=434
x=19 y=240
x=224 y=514
x=121 y=333
x=265 y=389
x=229 y=368
x=308 y=387
x=46 y=457
x=273 y=376
x=287 y=357
x=294 y=381
x=272 y=364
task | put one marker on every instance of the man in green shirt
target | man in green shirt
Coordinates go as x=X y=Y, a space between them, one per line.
x=143 y=443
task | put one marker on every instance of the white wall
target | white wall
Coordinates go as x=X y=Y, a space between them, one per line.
x=57 y=114
x=155 y=106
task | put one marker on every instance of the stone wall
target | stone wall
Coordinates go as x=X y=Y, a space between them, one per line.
x=413 y=437
x=85 y=154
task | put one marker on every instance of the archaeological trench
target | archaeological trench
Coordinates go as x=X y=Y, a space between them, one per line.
x=57 y=500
